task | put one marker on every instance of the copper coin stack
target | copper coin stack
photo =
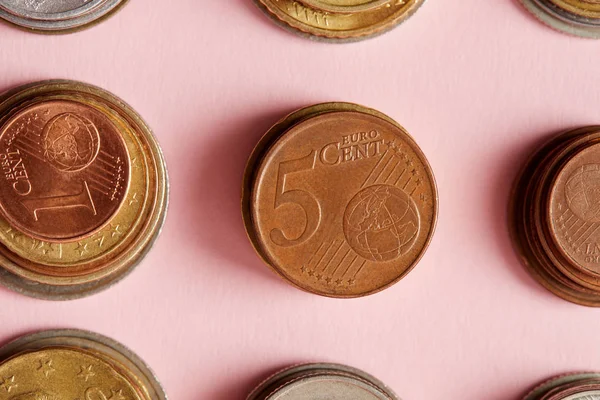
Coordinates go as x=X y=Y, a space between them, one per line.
x=339 y=20
x=73 y=364
x=585 y=386
x=339 y=200
x=576 y=17
x=83 y=191
x=323 y=381
x=555 y=218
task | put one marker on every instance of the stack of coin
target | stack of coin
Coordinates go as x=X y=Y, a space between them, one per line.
x=555 y=216
x=576 y=17
x=339 y=200
x=72 y=364
x=339 y=20
x=83 y=191
x=322 y=381
x=568 y=387
x=57 y=16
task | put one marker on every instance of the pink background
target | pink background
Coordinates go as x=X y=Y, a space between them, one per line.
x=477 y=83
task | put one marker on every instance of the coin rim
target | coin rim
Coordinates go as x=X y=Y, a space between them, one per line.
x=561 y=22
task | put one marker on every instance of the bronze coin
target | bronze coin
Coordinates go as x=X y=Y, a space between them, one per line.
x=581 y=386
x=83 y=191
x=340 y=202
x=553 y=245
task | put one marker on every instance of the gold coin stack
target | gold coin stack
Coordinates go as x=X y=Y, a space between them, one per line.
x=339 y=20
x=83 y=193
x=585 y=386
x=74 y=364
x=555 y=220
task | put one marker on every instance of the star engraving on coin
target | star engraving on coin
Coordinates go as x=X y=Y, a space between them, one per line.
x=8 y=384
x=86 y=372
x=46 y=367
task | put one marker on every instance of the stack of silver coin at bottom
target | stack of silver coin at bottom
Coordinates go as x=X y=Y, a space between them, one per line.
x=57 y=16
x=322 y=381
x=585 y=386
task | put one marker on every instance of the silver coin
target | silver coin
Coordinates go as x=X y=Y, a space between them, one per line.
x=591 y=395
x=563 y=20
x=322 y=381
x=56 y=16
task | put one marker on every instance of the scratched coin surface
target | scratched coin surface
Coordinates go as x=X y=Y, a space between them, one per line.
x=554 y=218
x=339 y=20
x=71 y=364
x=83 y=193
x=575 y=17
x=342 y=203
x=322 y=381
x=57 y=16
x=583 y=386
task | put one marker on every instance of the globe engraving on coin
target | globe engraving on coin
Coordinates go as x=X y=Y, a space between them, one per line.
x=70 y=142
x=583 y=192
x=381 y=223
x=63 y=177
x=340 y=203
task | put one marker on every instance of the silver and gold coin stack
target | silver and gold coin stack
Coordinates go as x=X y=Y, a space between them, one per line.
x=576 y=17
x=319 y=381
x=58 y=16
x=585 y=386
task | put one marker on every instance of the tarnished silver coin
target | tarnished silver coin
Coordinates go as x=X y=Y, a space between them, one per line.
x=575 y=17
x=322 y=381
x=581 y=386
x=57 y=16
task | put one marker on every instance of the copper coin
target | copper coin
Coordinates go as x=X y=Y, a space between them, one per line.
x=552 y=244
x=339 y=20
x=74 y=364
x=339 y=200
x=83 y=193
x=331 y=381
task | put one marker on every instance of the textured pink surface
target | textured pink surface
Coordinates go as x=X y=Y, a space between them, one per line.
x=477 y=83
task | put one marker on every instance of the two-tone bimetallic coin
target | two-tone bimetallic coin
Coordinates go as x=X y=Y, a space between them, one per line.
x=555 y=216
x=339 y=20
x=322 y=381
x=339 y=200
x=83 y=190
x=57 y=16
x=73 y=364
x=576 y=17
x=584 y=386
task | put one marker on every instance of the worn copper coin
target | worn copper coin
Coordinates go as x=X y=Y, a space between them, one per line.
x=339 y=20
x=57 y=16
x=583 y=386
x=74 y=364
x=339 y=200
x=83 y=191
x=576 y=17
x=319 y=381
x=553 y=221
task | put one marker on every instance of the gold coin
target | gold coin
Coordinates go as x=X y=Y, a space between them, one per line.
x=73 y=364
x=83 y=193
x=339 y=20
x=575 y=17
